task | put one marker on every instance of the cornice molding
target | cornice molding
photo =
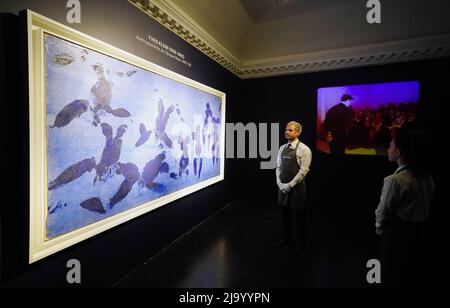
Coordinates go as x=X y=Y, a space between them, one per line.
x=173 y=18
x=170 y=16
x=373 y=54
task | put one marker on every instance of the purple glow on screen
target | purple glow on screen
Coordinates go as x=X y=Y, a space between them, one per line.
x=370 y=120
x=370 y=96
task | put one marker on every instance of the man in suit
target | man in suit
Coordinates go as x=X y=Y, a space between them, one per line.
x=293 y=162
x=404 y=206
x=337 y=121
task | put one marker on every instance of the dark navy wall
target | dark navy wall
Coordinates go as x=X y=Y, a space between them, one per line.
x=344 y=190
x=294 y=97
x=106 y=257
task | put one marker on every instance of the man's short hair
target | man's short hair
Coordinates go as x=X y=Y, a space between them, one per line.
x=297 y=126
x=413 y=147
x=346 y=97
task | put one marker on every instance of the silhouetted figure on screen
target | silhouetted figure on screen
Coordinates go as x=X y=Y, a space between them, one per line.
x=294 y=159
x=337 y=121
x=404 y=206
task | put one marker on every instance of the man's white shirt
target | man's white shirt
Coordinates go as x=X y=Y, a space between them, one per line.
x=406 y=195
x=304 y=157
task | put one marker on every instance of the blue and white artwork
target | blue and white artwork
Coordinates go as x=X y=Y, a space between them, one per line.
x=119 y=136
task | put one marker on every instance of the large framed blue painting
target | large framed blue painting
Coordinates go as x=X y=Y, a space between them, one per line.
x=112 y=136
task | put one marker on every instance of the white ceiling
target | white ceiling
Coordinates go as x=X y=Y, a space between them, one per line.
x=267 y=35
x=269 y=10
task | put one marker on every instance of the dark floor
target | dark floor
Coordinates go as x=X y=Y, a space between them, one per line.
x=234 y=248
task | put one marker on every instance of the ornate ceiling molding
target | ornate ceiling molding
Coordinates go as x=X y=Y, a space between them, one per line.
x=170 y=16
x=374 y=54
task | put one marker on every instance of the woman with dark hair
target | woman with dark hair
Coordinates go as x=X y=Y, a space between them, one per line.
x=404 y=206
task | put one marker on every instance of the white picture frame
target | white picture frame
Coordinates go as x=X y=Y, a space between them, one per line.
x=38 y=28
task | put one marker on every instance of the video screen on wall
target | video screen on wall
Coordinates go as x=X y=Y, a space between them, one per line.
x=362 y=119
